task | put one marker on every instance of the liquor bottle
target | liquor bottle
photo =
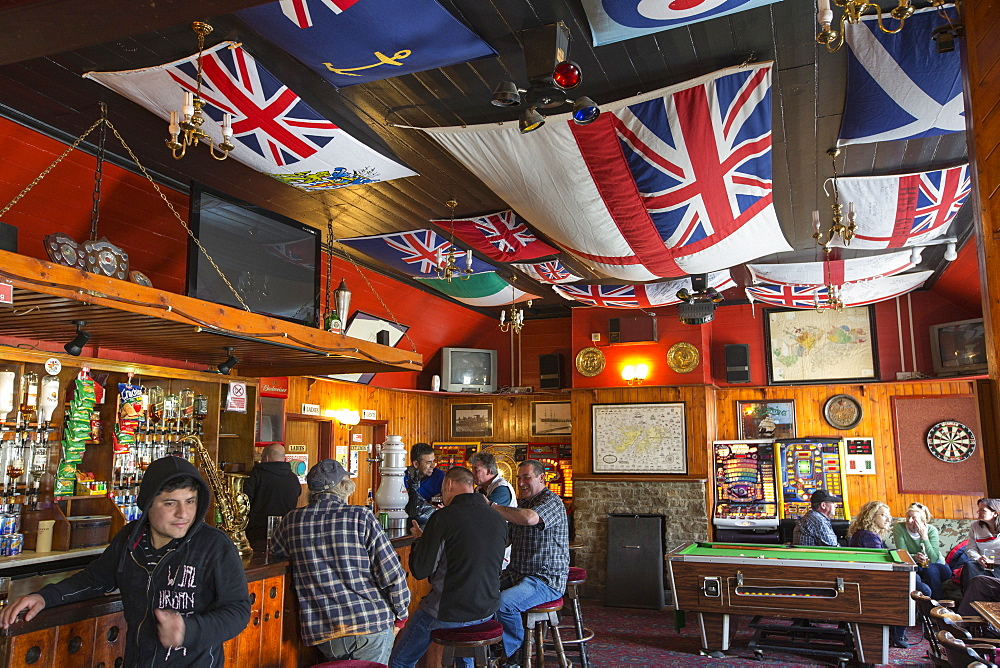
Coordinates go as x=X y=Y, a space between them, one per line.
x=370 y=503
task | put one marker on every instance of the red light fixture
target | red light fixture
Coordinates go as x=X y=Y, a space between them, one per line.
x=567 y=75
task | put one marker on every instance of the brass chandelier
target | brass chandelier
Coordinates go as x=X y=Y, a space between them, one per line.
x=448 y=268
x=837 y=227
x=514 y=319
x=853 y=10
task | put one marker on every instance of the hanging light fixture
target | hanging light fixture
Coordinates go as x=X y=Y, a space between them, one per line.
x=837 y=227
x=833 y=302
x=853 y=12
x=514 y=319
x=186 y=130
x=447 y=267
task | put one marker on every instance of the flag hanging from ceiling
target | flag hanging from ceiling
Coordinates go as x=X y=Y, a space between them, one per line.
x=648 y=295
x=851 y=294
x=666 y=184
x=274 y=131
x=501 y=236
x=350 y=42
x=904 y=210
x=485 y=289
x=414 y=252
x=832 y=272
x=617 y=20
x=552 y=271
x=899 y=86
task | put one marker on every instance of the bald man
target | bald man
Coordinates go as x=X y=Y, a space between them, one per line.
x=273 y=489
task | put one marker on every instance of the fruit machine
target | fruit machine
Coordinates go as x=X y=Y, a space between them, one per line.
x=453 y=454
x=558 y=461
x=506 y=455
x=806 y=465
x=746 y=506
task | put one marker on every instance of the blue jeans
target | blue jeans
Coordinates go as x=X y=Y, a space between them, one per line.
x=933 y=577
x=372 y=647
x=525 y=595
x=415 y=638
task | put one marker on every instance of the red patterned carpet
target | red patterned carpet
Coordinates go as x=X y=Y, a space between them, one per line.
x=636 y=637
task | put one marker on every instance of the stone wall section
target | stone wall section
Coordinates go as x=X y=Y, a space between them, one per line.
x=681 y=503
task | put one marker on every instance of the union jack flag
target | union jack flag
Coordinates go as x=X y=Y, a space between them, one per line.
x=416 y=252
x=499 y=236
x=648 y=295
x=549 y=272
x=849 y=294
x=791 y=296
x=298 y=12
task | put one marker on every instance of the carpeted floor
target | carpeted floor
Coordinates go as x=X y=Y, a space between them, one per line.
x=636 y=637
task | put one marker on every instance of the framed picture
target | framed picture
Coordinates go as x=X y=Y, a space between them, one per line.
x=472 y=420
x=809 y=346
x=639 y=438
x=366 y=327
x=551 y=418
x=765 y=419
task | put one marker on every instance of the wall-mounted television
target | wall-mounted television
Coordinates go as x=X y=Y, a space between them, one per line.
x=468 y=370
x=959 y=348
x=271 y=260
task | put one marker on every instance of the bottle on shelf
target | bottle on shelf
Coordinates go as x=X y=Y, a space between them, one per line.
x=370 y=503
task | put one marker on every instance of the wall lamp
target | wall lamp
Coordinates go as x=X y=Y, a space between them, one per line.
x=226 y=367
x=634 y=374
x=347 y=418
x=75 y=347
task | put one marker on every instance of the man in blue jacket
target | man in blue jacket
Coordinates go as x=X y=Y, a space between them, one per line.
x=181 y=581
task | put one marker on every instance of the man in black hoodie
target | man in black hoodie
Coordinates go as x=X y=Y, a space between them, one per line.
x=272 y=488
x=181 y=581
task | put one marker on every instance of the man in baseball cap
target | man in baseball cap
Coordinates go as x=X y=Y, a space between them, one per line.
x=348 y=579
x=815 y=527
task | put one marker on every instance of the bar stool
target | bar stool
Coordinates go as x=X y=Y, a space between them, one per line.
x=577 y=577
x=472 y=642
x=538 y=621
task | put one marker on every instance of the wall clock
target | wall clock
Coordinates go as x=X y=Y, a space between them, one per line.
x=590 y=362
x=842 y=411
x=951 y=441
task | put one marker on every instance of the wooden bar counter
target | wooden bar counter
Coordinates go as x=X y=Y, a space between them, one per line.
x=92 y=633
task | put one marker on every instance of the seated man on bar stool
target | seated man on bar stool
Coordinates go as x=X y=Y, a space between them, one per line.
x=491 y=483
x=539 y=559
x=423 y=483
x=272 y=489
x=460 y=551
x=815 y=527
x=182 y=584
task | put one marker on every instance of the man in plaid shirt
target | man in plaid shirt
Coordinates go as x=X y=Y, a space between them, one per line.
x=348 y=579
x=539 y=557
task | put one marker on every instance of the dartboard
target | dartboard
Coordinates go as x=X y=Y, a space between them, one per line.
x=951 y=441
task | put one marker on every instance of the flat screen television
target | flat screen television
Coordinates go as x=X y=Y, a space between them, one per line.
x=959 y=348
x=468 y=370
x=271 y=260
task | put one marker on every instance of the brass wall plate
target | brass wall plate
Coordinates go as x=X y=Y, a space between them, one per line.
x=590 y=362
x=682 y=357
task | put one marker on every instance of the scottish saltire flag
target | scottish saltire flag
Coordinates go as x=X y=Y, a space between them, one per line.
x=551 y=271
x=415 y=252
x=501 y=236
x=851 y=294
x=349 y=42
x=899 y=86
x=617 y=20
x=904 y=210
x=275 y=132
x=832 y=272
x=666 y=184
x=649 y=295
x=486 y=289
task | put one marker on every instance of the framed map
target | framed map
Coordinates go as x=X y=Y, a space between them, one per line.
x=809 y=346
x=639 y=438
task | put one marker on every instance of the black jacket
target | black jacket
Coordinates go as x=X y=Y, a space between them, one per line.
x=461 y=551
x=202 y=578
x=273 y=490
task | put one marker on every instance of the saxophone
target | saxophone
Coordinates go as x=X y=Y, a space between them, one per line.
x=232 y=504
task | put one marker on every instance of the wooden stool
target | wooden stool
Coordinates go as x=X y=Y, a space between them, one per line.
x=470 y=642
x=577 y=577
x=537 y=622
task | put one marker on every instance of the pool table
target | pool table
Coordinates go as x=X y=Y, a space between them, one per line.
x=868 y=588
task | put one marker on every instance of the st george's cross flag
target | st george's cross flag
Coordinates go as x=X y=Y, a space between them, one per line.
x=485 y=289
x=648 y=295
x=904 y=210
x=551 y=271
x=899 y=86
x=350 y=42
x=617 y=20
x=851 y=294
x=501 y=236
x=666 y=184
x=414 y=252
x=832 y=272
x=275 y=132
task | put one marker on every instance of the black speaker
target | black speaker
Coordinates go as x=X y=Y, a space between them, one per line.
x=550 y=372
x=737 y=363
x=8 y=237
x=382 y=337
x=614 y=330
x=635 y=562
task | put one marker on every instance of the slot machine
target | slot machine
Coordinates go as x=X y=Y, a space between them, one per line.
x=558 y=461
x=746 y=508
x=806 y=465
x=453 y=454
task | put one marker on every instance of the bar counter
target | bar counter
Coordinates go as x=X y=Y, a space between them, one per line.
x=92 y=632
